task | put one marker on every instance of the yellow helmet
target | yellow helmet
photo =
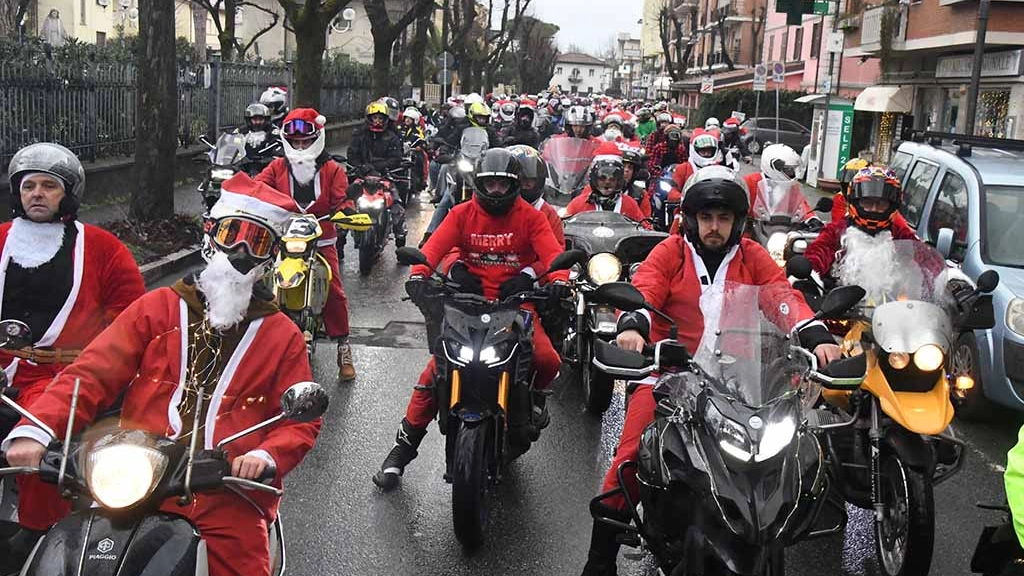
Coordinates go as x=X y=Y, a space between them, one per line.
x=479 y=114
x=374 y=108
x=850 y=169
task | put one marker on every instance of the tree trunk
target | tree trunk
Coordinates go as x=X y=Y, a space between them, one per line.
x=227 y=36
x=418 y=53
x=309 y=55
x=381 y=68
x=156 y=113
x=199 y=15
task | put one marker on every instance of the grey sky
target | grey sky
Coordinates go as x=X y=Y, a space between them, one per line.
x=589 y=23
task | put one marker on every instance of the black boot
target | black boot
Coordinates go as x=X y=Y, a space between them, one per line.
x=540 y=419
x=604 y=548
x=407 y=441
x=15 y=550
x=426 y=236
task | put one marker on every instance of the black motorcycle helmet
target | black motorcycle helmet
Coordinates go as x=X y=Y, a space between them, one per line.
x=496 y=163
x=532 y=168
x=715 y=187
x=606 y=167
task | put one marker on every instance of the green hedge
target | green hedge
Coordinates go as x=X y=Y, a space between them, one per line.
x=120 y=49
x=722 y=103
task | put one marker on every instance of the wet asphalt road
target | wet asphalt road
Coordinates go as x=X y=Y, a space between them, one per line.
x=338 y=523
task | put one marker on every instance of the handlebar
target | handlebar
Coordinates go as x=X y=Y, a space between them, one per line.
x=252 y=485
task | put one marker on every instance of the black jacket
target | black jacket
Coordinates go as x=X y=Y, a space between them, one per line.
x=514 y=134
x=382 y=150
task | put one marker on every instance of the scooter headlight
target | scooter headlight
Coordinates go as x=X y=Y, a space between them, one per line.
x=929 y=358
x=464 y=165
x=777 y=247
x=122 y=475
x=366 y=203
x=221 y=173
x=731 y=437
x=604 y=268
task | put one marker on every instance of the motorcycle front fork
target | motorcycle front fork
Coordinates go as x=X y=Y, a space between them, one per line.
x=875 y=437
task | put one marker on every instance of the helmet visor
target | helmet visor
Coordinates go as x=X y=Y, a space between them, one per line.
x=707 y=151
x=299 y=129
x=232 y=232
x=876 y=188
x=783 y=168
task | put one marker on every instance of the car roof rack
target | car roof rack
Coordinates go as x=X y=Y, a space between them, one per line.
x=963 y=142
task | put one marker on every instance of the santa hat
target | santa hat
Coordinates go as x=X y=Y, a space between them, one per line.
x=307 y=114
x=240 y=195
x=608 y=151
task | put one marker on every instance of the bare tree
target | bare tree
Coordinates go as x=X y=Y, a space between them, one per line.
x=223 y=12
x=309 y=20
x=418 y=49
x=720 y=26
x=461 y=30
x=758 y=16
x=199 y=13
x=156 y=113
x=385 y=33
x=536 y=54
x=11 y=14
x=499 y=41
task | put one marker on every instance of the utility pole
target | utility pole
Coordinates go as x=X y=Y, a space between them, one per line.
x=979 y=59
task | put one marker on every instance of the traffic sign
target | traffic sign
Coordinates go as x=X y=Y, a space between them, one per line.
x=707 y=85
x=826 y=85
x=821 y=7
x=445 y=60
x=444 y=75
x=778 y=72
x=760 y=77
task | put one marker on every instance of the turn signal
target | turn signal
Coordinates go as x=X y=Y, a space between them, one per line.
x=964 y=382
x=899 y=360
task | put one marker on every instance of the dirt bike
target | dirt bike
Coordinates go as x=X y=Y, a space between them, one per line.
x=301 y=275
x=122 y=477
x=894 y=444
x=730 y=472
x=484 y=390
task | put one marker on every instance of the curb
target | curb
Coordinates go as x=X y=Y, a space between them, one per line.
x=170 y=264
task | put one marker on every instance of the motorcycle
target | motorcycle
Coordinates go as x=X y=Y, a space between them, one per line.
x=568 y=161
x=414 y=166
x=484 y=389
x=664 y=212
x=227 y=158
x=118 y=517
x=301 y=275
x=375 y=202
x=730 y=471
x=457 y=173
x=777 y=219
x=614 y=246
x=895 y=444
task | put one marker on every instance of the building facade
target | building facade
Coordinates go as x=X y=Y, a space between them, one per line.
x=577 y=73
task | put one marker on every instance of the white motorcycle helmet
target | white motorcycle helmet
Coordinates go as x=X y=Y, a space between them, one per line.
x=712 y=124
x=780 y=162
x=473 y=98
x=704 y=150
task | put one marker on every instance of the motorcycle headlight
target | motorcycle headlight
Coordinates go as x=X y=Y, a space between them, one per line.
x=464 y=165
x=929 y=358
x=604 y=268
x=777 y=435
x=295 y=246
x=899 y=360
x=777 y=247
x=457 y=353
x=731 y=437
x=1015 y=315
x=497 y=354
x=290 y=282
x=665 y=187
x=799 y=246
x=221 y=173
x=122 y=475
x=375 y=204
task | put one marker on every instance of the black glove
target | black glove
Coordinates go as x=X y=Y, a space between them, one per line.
x=813 y=224
x=367 y=169
x=961 y=290
x=467 y=281
x=517 y=284
x=416 y=288
x=559 y=290
x=348 y=211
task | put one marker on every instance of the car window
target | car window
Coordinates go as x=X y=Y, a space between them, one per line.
x=950 y=211
x=1004 y=225
x=899 y=164
x=915 y=191
x=792 y=126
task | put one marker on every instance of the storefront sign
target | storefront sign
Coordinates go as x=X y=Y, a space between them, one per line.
x=994 y=64
x=845 y=137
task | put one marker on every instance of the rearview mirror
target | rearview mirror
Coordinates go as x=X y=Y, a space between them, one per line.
x=304 y=402
x=799 y=267
x=567 y=259
x=839 y=300
x=824 y=204
x=621 y=295
x=410 y=256
x=16 y=334
x=944 y=242
x=988 y=281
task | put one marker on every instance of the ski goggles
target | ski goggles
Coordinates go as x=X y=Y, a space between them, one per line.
x=231 y=232
x=299 y=129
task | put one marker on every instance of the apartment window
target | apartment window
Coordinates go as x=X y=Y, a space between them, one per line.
x=101 y=39
x=558 y=70
x=798 y=44
x=81 y=11
x=816 y=40
x=784 y=46
x=590 y=72
x=771 y=48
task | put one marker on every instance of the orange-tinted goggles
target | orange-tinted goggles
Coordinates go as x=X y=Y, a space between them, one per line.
x=230 y=232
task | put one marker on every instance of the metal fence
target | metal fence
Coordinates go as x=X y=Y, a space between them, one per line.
x=90 y=107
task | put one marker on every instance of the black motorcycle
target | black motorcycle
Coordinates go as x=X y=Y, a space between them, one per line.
x=731 y=471
x=484 y=390
x=614 y=246
x=118 y=515
x=228 y=157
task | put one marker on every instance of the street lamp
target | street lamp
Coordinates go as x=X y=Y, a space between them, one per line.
x=347 y=15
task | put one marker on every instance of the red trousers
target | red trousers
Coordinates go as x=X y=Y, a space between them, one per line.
x=421 y=409
x=639 y=415
x=235 y=533
x=39 y=504
x=336 y=309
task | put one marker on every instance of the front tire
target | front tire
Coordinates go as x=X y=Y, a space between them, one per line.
x=367 y=258
x=905 y=536
x=469 y=483
x=754 y=146
x=597 y=386
x=971 y=405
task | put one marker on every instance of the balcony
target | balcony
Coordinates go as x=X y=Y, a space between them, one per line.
x=871 y=27
x=575 y=79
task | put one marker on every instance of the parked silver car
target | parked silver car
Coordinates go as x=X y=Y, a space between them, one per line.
x=976 y=189
x=761 y=132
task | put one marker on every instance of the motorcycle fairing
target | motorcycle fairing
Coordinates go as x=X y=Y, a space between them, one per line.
x=103 y=543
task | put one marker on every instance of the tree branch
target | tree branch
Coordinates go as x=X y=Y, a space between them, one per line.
x=243 y=49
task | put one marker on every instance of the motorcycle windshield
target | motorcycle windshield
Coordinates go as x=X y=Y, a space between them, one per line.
x=747 y=358
x=230 y=149
x=474 y=142
x=779 y=201
x=891 y=270
x=568 y=161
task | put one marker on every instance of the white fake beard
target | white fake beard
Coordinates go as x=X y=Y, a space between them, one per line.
x=227 y=291
x=871 y=263
x=32 y=244
x=303 y=162
x=255 y=138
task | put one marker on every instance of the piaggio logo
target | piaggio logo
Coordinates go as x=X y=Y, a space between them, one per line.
x=105 y=545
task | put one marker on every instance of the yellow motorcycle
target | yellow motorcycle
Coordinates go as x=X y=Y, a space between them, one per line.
x=302 y=275
x=888 y=439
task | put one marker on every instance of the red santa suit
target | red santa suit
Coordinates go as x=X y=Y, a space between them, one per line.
x=105 y=280
x=826 y=248
x=494 y=248
x=675 y=280
x=329 y=187
x=144 y=355
x=624 y=205
x=554 y=219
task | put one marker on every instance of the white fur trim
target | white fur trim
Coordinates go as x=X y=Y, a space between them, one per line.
x=320 y=120
x=233 y=203
x=32 y=432
x=173 y=416
x=529 y=271
x=225 y=379
x=611 y=157
x=53 y=332
x=263 y=455
x=32 y=244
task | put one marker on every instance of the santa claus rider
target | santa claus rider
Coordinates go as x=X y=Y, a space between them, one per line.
x=317 y=184
x=207 y=334
x=67 y=281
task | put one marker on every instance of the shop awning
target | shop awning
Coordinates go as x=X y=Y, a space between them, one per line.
x=819 y=100
x=885 y=99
